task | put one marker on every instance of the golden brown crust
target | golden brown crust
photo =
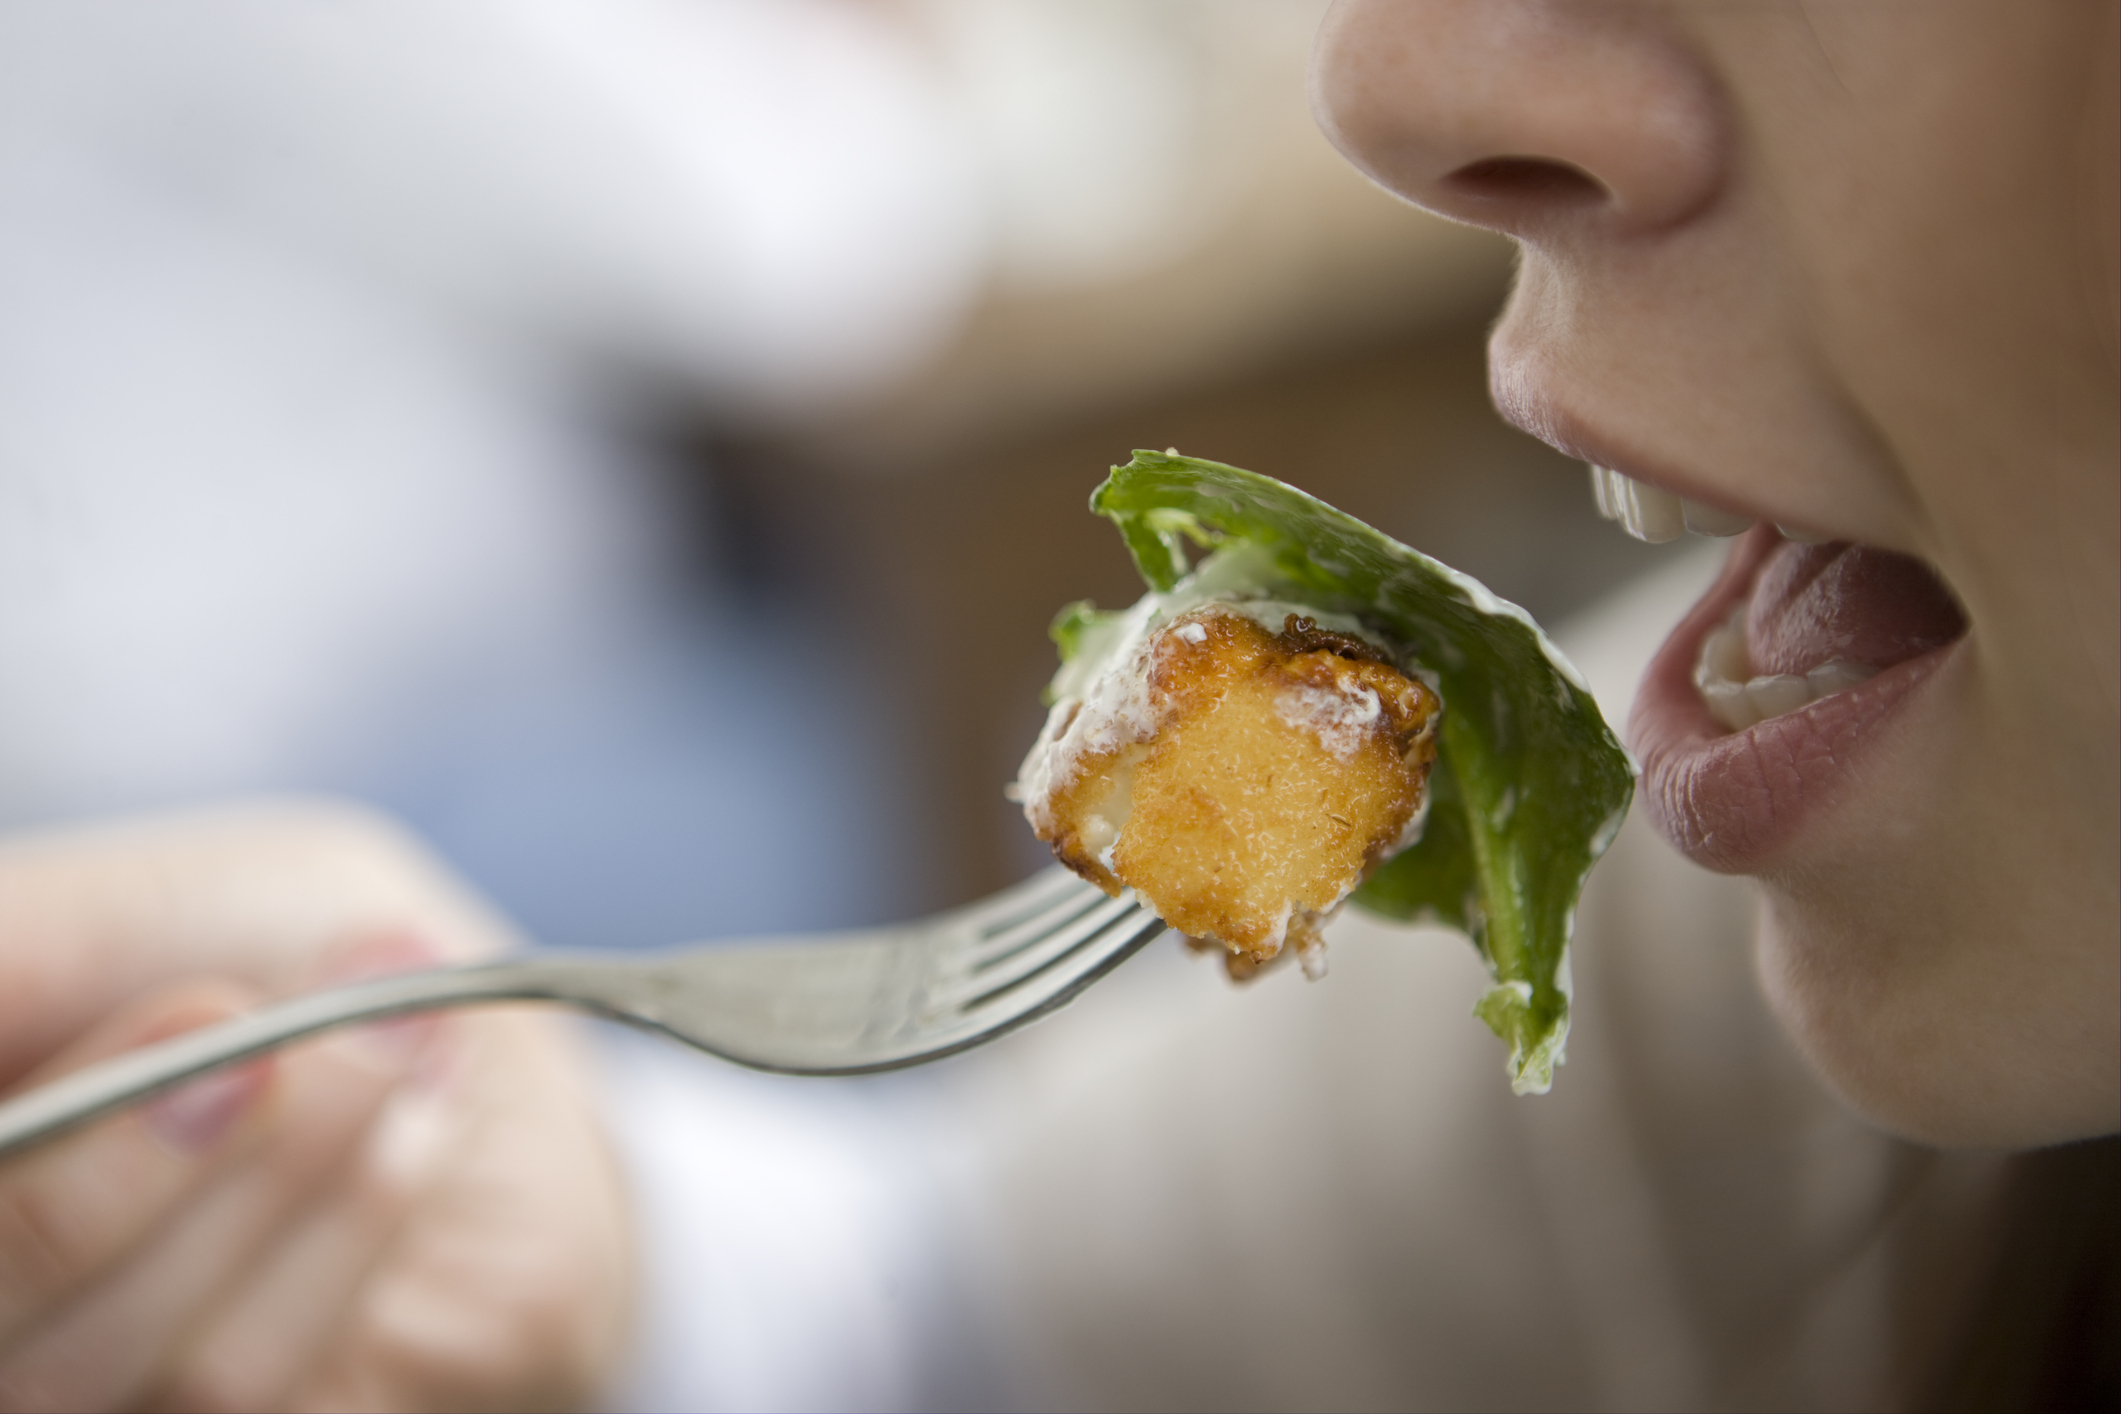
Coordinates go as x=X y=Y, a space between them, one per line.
x=1303 y=635
x=1282 y=768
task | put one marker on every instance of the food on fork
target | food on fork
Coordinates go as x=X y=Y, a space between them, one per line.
x=1315 y=713
x=1241 y=768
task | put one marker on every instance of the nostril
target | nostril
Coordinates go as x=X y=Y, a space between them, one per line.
x=1526 y=181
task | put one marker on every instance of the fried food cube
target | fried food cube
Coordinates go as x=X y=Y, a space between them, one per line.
x=1263 y=776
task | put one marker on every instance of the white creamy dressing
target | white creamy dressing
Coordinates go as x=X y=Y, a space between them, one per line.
x=1340 y=716
x=1101 y=697
x=1485 y=601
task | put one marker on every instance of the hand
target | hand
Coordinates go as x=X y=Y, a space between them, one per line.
x=422 y=1214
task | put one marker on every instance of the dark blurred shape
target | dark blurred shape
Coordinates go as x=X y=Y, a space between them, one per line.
x=2042 y=1329
x=1527 y=179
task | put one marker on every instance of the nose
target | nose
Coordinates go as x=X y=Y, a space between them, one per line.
x=1543 y=119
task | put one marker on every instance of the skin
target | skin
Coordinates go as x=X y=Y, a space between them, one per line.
x=1854 y=267
x=418 y=1216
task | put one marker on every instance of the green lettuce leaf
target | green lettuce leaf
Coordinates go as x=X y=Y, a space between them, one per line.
x=1530 y=784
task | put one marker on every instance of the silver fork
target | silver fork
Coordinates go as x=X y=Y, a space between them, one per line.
x=834 y=1004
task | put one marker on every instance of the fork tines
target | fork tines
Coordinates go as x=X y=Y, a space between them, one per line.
x=1048 y=943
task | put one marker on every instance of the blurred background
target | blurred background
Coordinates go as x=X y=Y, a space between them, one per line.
x=642 y=443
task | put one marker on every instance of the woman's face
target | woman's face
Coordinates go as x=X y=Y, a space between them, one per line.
x=1851 y=267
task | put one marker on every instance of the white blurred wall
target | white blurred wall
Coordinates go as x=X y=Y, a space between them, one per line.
x=321 y=332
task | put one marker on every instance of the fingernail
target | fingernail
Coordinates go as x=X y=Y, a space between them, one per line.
x=196 y=1115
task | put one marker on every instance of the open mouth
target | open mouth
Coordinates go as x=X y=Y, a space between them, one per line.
x=1759 y=708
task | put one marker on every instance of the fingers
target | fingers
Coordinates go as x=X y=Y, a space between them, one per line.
x=307 y=1234
x=113 y=1338
x=91 y=918
x=72 y=1210
x=508 y=1286
x=478 y=1259
x=268 y=1334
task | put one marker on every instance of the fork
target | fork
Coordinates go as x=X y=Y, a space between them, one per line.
x=832 y=1004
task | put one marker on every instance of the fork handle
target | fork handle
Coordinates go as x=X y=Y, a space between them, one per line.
x=75 y=1099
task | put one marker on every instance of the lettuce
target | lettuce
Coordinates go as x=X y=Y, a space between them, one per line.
x=1530 y=784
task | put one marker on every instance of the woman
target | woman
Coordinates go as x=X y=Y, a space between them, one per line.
x=1853 y=270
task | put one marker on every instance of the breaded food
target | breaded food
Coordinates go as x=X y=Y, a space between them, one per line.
x=1302 y=711
x=1241 y=768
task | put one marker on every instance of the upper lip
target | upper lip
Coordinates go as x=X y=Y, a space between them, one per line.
x=1531 y=409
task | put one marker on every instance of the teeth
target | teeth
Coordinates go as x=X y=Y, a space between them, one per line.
x=1643 y=511
x=1707 y=520
x=1729 y=705
x=1649 y=514
x=1803 y=537
x=1738 y=700
x=1773 y=696
x=1723 y=655
x=1829 y=678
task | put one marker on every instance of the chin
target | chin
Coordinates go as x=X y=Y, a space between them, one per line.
x=1947 y=1046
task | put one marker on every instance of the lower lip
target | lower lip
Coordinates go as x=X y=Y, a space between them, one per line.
x=1739 y=802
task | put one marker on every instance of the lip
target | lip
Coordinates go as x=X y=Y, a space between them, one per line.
x=1736 y=802
x=1524 y=401
x=1523 y=394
